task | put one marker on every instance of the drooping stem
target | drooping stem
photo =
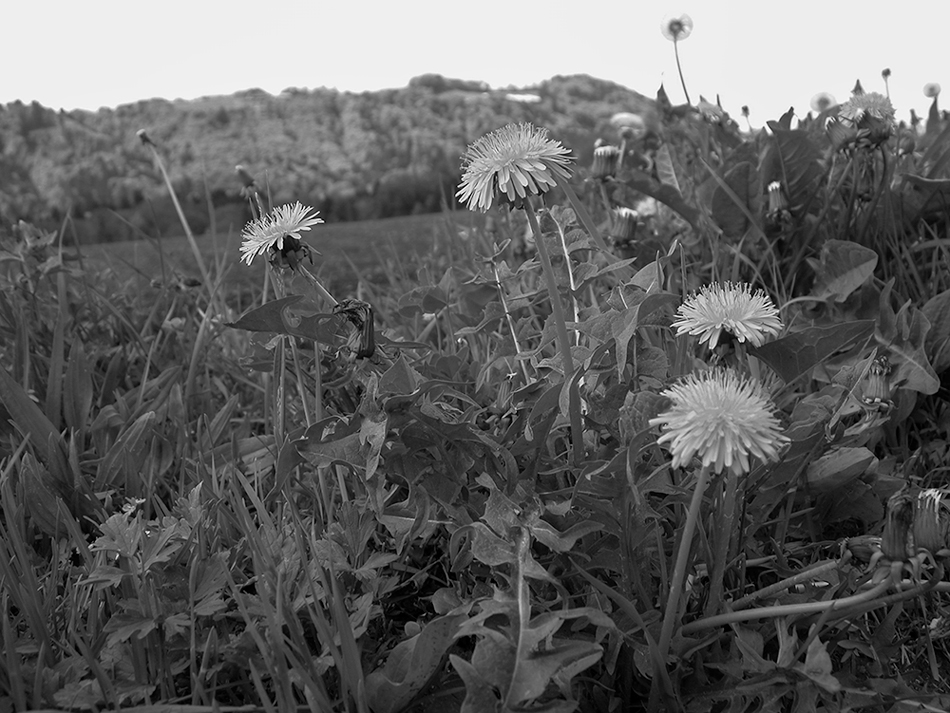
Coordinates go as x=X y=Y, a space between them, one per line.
x=560 y=332
x=671 y=614
x=676 y=52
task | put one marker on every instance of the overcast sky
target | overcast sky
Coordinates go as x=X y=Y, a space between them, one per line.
x=767 y=55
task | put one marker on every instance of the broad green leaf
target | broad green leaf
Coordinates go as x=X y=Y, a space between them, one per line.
x=411 y=665
x=77 y=393
x=731 y=208
x=937 y=344
x=796 y=353
x=844 y=266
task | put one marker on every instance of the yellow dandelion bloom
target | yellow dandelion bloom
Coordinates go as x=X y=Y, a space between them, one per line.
x=509 y=164
x=721 y=418
x=729 y=307
x=270 y=231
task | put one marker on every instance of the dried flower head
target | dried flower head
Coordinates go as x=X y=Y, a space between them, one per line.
x=511 y=163
x=931 y=89
x=721 y=418
x=269 y=233
x=822 y=101
x=677 y=28
x=728 y=307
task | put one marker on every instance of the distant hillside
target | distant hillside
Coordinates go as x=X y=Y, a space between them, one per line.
x=352 y=155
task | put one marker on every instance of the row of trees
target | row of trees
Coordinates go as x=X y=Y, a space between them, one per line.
x=353 y=155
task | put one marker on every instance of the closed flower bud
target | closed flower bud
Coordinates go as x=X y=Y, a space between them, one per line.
x=605 y=161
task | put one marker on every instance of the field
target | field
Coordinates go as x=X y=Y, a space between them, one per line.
x=349 y=251
x=668 y=431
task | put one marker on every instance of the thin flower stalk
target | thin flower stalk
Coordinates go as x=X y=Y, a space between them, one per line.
x=560 y=332
x=509 y=320
x=676 y=29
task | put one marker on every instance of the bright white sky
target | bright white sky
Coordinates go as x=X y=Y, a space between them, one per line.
x=769 y=55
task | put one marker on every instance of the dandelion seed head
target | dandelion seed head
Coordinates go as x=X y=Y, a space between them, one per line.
x=931 y=89
x=723 y=419
x=728 y=307
x=676 y=28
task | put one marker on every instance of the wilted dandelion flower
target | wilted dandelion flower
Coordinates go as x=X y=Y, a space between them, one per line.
x=511 y=163
x=729 y=307
x=931 y=89
x=677 y=28
x=822 y=101
x=721 y=418
x=270 y=231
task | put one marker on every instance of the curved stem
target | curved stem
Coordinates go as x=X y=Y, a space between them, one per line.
x=676 y=51
x=560 y=332
x=842 y=606
x=670 y=615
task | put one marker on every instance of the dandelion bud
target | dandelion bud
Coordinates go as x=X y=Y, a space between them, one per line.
x=605 y=161
x=247 y=180
x=886 y=73
x=932 y=520
x=623 y=225
x=144 y=138
x=896 y=543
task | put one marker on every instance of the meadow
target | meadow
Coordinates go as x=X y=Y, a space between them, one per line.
x=662 y=431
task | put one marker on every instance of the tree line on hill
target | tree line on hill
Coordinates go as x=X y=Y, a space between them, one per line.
x=353 y=156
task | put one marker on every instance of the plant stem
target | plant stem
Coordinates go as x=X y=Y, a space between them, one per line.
x=560 y=332
x=676 y=52
x=671 y=614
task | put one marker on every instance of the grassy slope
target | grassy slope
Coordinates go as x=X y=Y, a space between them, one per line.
x=347 y=250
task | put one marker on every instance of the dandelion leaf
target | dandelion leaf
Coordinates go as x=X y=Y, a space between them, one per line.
x=843 y=268
x=937 y=344
x=411 y=665
x=731 y=208
x=793 y=355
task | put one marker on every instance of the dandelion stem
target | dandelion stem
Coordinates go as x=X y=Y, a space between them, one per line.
x=671 y=614
x=560 y=331
x=676 y=53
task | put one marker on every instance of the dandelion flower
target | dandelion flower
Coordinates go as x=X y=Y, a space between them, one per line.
x=723 y=419
x=677 y=28
x=872 y=114
x=270 y=231
x=871 y=104
x=511 y=163
x=931 y=89
x=730 y=307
